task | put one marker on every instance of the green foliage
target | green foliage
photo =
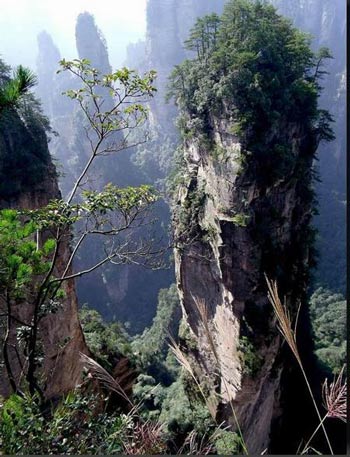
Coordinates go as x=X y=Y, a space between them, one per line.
x=203 y=36
x=19 y=422
x=151 y=347
x=176 y=177
x=21 y=258
x=128 y=202
x=188 y=214
x=104 y=340
x=228 y=443
x=240 y=219
x=328 y=319
x=125 y=200
x=251 y=361
x=162 y=390
x=259 y=71
x=74 y=427
x=122 y=85
x=181 y=415
x=13 y=89
x=149 y=395
x=186 y=335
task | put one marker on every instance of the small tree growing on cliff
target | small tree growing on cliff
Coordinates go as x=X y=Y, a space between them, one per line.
x=12 y=89
x=32 y=273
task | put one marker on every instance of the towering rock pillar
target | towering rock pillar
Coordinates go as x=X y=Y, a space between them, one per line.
x=241 y=229
x=243 y=210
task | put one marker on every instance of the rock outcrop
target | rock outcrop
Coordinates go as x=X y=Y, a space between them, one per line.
x=47 y=65
x=243 y=230
x=168 y=26
x=61 y=334
x=243 y=210
x=325 y=20
x=91 y=43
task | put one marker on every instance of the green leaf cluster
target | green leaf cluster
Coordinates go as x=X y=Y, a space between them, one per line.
x=15 y=87
x=328 y=319
x=21 y=258
x=105 y=340
x=228 y=443
x=126 y=89
x=250 y=359
x=73 y=427
x=113 y=198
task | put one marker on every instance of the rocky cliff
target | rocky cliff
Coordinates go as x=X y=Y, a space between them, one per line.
x=91 y=43
x=47 y=62
x=243 y=210
x=128 y=292
x=224 y=268
x=23 y=139
x=125 y=293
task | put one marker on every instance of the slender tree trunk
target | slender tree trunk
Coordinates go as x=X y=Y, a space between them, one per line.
x=32 y=354
x=5 y=348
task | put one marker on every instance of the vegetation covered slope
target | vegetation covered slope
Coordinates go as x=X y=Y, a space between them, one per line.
x=253 y=64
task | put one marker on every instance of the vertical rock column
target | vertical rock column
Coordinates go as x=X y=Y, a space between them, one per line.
x=234 y=227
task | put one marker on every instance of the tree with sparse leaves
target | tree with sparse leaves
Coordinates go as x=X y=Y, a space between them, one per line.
x=31 y=241
x=203 y=36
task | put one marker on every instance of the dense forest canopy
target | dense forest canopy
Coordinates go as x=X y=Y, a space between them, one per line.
x=255 y=65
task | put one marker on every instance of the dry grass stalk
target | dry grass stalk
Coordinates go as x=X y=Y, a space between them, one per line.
x=99 y=373
x=204 y=318
x=145 y=438
x=196 y=446
x=335 y=397
x=311 y=450
x=283 y=317
x=285 y=328
x=180 y=357
x=184 y=362
x=335 y=402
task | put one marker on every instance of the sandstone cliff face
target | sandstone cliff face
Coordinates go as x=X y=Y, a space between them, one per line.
x=61 y=333
x=168 y=24
x=237 y=229
x=47 y=65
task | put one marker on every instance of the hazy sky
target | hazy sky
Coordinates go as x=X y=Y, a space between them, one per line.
x=121 y=21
